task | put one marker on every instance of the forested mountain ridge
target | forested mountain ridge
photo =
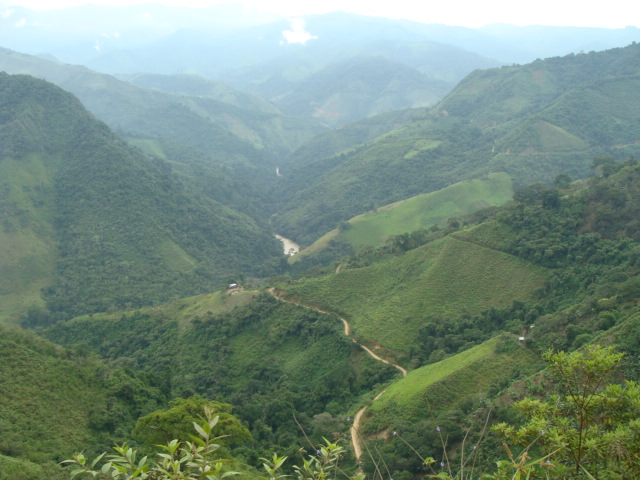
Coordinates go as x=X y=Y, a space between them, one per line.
x=368 y=85
x=118 y=219
x=578 y=246
x=553 y=247
x=235 y=130
x=533 y=121
x=521 y=89
x=56 y=400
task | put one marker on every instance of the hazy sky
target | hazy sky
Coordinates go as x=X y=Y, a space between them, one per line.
x=473 y=13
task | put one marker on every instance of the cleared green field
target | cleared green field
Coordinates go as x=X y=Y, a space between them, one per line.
x=421 y=211
x=443 y=385
x=387 y=303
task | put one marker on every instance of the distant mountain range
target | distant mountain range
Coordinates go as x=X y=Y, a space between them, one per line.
x=533 y=121
x=151 y=35
x=291 y=62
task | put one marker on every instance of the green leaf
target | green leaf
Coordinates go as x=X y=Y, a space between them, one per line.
x=214 y=421
x=77 y=472
x=228 y=474
x=200 y=431
x=97 y=459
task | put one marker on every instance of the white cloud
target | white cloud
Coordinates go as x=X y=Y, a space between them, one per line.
x=115 y=35
x=6 y=13
x=297 y=34
x=21 y=23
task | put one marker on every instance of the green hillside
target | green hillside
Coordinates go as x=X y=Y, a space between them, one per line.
x=445 y=403
x=533 y=121
x=274 y=361
x=419 y=212
x=498 y=95
x=122 y=251
x=115 y=227
x=368 y=85
x=29 y=251
x=579 y=242
x=543 y=250
x=443 y=387
x=450 y=309
x=388 y=303
x=56 y=401
x=233 y=130
x=197 y=86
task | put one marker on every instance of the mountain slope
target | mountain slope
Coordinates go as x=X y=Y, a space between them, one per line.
x=125 y=230
x=225 y=132
x=422 y=212
x=367 y=86
x=197 y=86
x=389 y=302
x=57 y=401
x=533 y=121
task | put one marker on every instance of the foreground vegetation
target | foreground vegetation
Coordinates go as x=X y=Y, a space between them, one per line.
x=587 y=430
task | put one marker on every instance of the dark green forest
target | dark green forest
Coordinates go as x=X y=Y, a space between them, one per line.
x=129 y=232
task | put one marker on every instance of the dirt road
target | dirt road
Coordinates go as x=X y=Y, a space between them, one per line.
x=357 y=420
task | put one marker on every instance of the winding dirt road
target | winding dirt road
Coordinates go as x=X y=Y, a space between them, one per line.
x=357 y=420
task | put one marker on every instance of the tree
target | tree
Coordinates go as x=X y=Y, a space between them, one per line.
x=606 y=165
x=531 y=195
x=178 y=460
x=164 y=425
x=197 y=460
x=562 y=181
x=588 y=426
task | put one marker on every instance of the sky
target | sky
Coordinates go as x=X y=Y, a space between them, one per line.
x=469 y=13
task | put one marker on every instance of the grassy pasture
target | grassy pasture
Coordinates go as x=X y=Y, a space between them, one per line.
x=430 y=390
x=422 y=211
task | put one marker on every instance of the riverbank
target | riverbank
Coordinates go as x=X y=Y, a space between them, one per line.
x=289 y=246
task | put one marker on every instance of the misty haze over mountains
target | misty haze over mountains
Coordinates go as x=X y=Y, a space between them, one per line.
x=219 y=39
x=382 y=64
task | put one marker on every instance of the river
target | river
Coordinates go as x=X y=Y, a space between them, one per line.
x=289 y=246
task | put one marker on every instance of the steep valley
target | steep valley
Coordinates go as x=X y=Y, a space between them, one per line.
x=144 y=268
